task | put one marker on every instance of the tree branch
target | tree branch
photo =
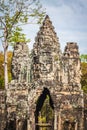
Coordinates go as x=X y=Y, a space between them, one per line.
x=14 y=21
x=5 y=27
x=2 y=22
x=19 y=14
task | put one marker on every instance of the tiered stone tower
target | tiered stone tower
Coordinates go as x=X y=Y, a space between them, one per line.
x=71 y=67
x=49 y=75
x=47 y=53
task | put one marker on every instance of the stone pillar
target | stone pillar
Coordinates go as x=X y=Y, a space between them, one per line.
x=85 y=120
x=59 y=120
x=18 y=125
x=55 y=119
x=29 y=125
x=76 y=126
x=80 y=120
x=33 y=121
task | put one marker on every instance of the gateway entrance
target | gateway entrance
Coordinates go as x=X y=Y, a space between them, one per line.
x=44 y=118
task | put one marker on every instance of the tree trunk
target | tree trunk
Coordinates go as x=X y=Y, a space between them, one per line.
x=5 y=59
x=5 y=68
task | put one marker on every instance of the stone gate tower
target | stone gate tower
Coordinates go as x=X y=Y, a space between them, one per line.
x=60 y=74
x=48 y=76
x=47 y=54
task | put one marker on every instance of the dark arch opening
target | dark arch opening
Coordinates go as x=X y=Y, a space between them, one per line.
x=45 y=97
x=11 y=125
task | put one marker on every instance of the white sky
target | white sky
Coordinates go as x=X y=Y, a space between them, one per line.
x=69 y=17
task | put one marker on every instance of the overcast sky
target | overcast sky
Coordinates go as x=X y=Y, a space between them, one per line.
x=69 y=17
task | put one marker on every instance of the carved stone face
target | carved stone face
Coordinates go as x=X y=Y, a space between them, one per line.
x=46 y=62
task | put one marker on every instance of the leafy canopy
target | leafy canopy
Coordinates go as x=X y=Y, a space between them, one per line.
x=18 y=36
x=83 y=58
x=14 y=13
x=84 y=72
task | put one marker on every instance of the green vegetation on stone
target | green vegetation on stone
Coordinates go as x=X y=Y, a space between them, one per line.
x=84 y=72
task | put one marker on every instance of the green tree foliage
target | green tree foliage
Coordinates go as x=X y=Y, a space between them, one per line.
x=83 y=58
x=14 y=13
x=84 y=72
x=84 y=76
x=18 y=36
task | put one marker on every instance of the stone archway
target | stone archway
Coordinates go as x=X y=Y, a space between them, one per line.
x=69 y=125
x=44 y=114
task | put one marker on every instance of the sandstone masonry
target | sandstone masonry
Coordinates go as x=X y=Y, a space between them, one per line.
x=46 y=72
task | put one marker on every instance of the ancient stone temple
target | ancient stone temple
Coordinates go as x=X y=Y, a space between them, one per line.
x=45 y=92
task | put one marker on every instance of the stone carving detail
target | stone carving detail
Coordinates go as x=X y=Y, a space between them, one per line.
x=47 y=52
x=46 y=62
x=71 y=63
x=48 y=72
x=21 y=62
